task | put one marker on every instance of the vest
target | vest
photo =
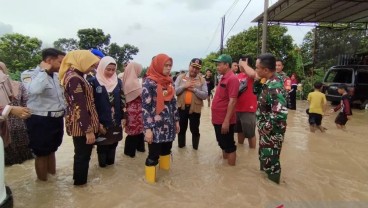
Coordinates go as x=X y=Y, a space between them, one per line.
x=103 y=105
x=197 y=104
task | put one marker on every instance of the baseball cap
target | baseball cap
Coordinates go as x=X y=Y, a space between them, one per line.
x=224 y=58
x=196 y=62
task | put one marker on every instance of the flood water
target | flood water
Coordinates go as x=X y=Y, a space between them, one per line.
x=318 y=170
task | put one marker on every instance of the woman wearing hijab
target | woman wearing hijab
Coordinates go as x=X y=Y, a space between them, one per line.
x=292 y=92
x=81 y=116
x=17 y=151
x=110 y=104
x=160 y=115
x=134 y=122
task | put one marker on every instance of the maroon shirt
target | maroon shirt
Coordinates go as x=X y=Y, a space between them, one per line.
x=227 y=88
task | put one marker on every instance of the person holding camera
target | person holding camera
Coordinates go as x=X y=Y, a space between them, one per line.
x=246 y=105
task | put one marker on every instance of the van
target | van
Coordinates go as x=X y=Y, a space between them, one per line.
x=355 y=77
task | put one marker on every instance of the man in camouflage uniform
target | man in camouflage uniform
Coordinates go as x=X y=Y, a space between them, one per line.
x=271 y=115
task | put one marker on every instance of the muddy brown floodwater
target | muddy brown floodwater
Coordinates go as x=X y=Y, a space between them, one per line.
x=318 y=170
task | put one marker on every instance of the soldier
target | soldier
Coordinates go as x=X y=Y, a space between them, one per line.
x=271 y=116
x=46 y=101
x=191 y=89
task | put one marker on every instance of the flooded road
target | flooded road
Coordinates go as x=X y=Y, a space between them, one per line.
x=318 y=170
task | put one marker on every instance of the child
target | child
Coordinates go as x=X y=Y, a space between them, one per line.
x=317 y=106
x=344 y=107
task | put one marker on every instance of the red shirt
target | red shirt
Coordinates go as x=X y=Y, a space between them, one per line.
x=227 y=88
x=247 y=102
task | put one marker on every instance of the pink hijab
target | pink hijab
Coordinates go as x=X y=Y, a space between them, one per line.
x=131 y=85
x=109 y=83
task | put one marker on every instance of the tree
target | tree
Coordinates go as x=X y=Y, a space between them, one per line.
x=19 y=52
x=66 y=44
x=278 y=43
x=209 y=64
x=332 y=42
x=122 y=54
x=93 y=38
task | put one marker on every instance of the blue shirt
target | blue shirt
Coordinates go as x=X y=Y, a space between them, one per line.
x=44 y=91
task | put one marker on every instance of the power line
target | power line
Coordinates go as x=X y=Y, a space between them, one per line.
x=213 y=37
x=228 y=12
x=231 y=7
x=238 y=18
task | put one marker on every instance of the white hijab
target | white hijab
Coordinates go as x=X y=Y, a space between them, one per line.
x=109 y=83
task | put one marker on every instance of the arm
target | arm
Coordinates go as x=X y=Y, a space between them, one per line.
x=324 y=104
x=247 y=69
x=178 y=88
x=278 y=114
x=38 y=83
x=203 y=92
x=230 y=110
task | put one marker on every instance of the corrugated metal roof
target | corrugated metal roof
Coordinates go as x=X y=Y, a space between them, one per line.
x=318 y=11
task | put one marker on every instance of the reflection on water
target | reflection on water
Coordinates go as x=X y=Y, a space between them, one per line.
x=318 y=170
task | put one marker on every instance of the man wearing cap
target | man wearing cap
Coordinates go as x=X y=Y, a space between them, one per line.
x=191 y=89
x=223 y=108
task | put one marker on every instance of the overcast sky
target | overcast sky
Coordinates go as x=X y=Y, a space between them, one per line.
x=183 y=29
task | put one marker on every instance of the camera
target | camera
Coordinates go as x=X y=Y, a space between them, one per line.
x=250 y=59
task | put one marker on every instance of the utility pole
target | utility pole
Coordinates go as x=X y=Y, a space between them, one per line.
x=222 y=34
x=264 y=27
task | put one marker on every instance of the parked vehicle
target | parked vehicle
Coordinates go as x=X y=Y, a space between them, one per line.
x=356 y=79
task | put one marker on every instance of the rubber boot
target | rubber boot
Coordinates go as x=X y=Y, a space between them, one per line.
x=275 y=177
x=150 y=174
x=164 y=162
x=181 y=141
x=195 y=142
x=102 y=157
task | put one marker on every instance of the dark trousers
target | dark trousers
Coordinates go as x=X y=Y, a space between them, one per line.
x=155 y=150
x=106 y=154
x=194 y=121
x=82 y=155
x=133 y=143
x=292 y=97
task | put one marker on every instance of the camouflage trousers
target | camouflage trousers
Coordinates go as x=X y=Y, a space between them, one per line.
x=269 y=152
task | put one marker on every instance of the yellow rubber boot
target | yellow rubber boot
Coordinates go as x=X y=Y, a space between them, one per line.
x=164 y=162
x=151 y=174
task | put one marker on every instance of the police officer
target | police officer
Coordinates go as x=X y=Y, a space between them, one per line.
x=191 y=89
x=45 y=99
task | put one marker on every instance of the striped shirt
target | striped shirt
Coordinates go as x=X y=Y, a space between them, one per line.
x=81 y=115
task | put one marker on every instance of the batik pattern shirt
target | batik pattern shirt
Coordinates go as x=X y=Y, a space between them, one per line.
x=162 y=125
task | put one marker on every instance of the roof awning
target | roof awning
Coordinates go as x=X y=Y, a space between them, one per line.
x=317 y=11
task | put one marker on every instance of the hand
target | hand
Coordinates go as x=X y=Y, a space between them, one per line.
x=242 y=64
x=225 y=128
x=189 y=84
x=102 y=129
x=124 y=123
x=45 y=66
x=177 y=129
x=20 y=112
x=148 y=136
x=90 y=137
x=332 y=110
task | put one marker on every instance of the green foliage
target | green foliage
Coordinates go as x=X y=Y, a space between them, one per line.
x=331 y=42
x=19 y=52
x=308 y=82
x=66 y=44
x=122 y=54
x=207 y=63
x=93 y=38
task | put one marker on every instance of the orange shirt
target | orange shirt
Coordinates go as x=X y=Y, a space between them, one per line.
x=188 y=97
